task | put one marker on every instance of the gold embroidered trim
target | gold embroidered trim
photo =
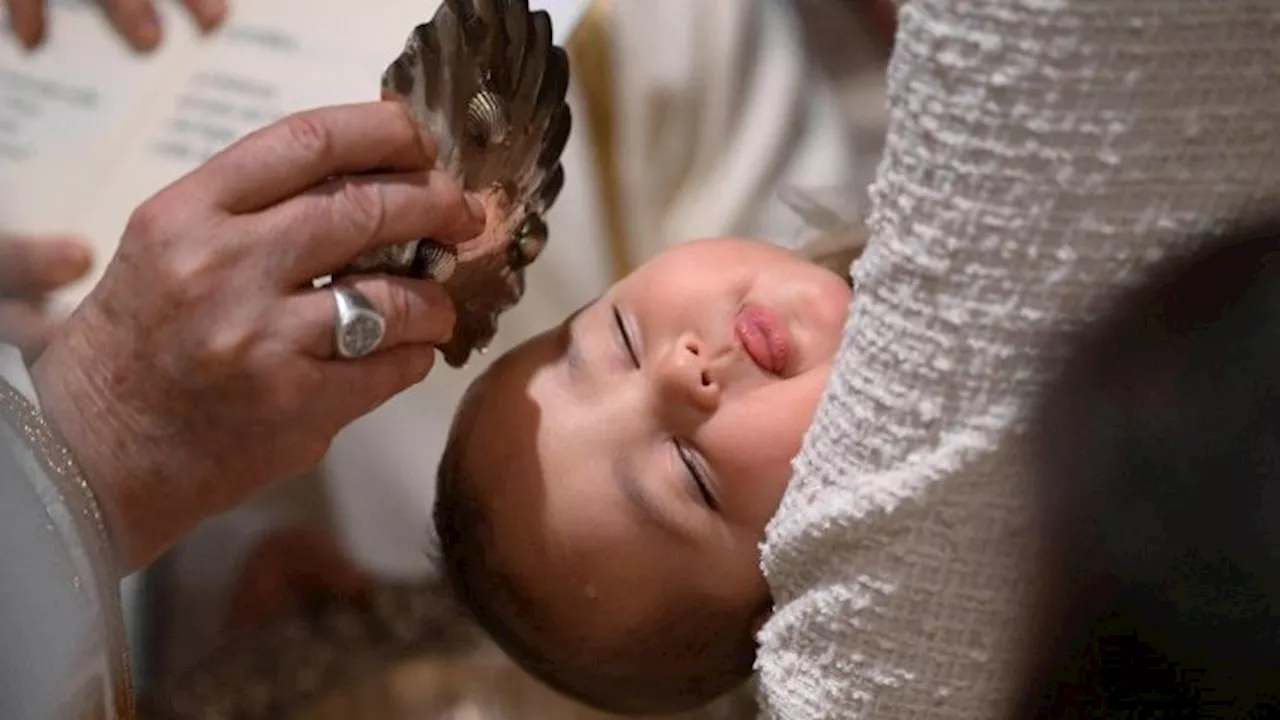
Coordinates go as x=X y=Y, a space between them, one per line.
x=82 y=507
x=591 y=52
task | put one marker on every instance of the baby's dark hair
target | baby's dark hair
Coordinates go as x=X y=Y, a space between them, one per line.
x=1157 y=466
x=688 y=662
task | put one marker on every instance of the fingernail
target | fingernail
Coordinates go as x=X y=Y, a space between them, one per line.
x=210 y=14
x=424 y=361
x=146 y=28
x=477 y=209
x=69 y=260
x=30 y=35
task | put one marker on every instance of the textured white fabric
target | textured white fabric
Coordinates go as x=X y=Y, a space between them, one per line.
x=59 y=621
x=1040 y=154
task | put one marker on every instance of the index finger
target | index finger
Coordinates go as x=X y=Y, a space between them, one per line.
x=303 y=150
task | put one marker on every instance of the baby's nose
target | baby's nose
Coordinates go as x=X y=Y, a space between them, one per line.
x=687 y=375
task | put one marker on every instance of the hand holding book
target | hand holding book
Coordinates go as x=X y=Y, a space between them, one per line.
x=136 y=20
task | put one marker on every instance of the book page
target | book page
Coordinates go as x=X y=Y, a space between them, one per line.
x=273 y=58
x=60 y=105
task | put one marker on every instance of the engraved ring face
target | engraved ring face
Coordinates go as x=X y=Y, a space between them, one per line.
x=360 y=328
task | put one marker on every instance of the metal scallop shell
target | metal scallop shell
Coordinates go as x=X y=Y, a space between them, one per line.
x=528 y=242
x=529 y=247
x=486 y=80
x=487 y=117
x=439 y=262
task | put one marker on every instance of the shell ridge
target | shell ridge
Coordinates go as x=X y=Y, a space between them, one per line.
x=516 y=21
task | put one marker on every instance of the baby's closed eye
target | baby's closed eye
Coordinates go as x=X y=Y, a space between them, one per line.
x=699 y=474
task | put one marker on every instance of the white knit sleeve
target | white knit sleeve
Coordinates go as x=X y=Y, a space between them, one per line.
x=1040 y=154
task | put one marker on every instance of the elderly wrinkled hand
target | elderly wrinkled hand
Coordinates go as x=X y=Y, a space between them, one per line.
x=136 y=20
x=30 y=269
x=205 y=364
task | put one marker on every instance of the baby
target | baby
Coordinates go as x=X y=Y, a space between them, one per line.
x=606 y=485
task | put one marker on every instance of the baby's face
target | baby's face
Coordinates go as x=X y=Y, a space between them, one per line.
x=632 y=456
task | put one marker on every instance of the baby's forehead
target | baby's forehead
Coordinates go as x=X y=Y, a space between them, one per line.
x=504 y=383
x=497 y=419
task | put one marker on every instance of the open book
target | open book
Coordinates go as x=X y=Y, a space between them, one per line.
x=89 y=130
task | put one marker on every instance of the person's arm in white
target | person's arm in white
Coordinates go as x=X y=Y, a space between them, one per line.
x=60 y=616
x=1040 y=156
x=59 y=593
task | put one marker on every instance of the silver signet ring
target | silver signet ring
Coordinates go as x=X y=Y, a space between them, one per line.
x=360 y=328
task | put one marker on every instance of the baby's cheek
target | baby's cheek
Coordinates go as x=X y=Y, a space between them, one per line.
x=754 y=481
x=759 y=437
x=765 y=499
x=833 y=301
